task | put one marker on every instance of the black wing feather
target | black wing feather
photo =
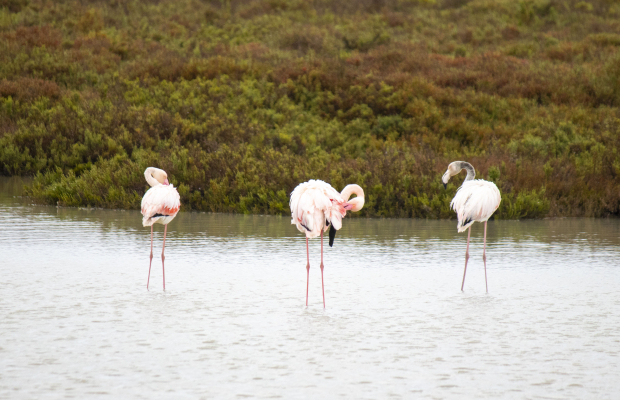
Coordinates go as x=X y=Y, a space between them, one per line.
x=332 y=235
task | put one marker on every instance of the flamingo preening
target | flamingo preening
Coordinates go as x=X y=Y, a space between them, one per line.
x=475 y=200
x=316 y=207
x=160 y=205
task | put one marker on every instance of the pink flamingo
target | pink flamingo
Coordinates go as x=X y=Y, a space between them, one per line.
x=160 y=205
x=475 y=200
x=315 y=207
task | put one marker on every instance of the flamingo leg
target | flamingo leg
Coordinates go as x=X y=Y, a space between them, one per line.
x=163 y=257
x=466 y=257
x=307 y=269
x=322 y=285
x=150 y=261
x=484 y=256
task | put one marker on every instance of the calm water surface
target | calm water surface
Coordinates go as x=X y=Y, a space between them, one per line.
x=76 y=320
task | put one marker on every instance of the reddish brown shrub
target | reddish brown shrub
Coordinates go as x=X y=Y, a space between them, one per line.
x=36 y=36
x=394 y=18
x=511 y=32
x=28 y=89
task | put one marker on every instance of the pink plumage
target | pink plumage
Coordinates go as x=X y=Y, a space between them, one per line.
x=314 y=203
x=160 y=204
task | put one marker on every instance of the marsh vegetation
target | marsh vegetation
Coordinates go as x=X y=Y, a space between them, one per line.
x=239 y=101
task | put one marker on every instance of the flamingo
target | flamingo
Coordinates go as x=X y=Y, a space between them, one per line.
x=316 y=207
x=475 y=200
x=160 y=205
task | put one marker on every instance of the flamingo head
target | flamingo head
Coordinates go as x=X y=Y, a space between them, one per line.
x=453 y=169
x=156 y=176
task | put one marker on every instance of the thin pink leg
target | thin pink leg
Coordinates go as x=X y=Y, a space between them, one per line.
x=307 y=269
x=163 y=257
x=322 y=285
x=150 y=261
x=484 y=256
x=466 y=257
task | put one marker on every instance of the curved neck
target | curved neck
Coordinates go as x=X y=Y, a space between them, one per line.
x=355 y=204
x=350 y=190
x=471 y=172
x=148 y=175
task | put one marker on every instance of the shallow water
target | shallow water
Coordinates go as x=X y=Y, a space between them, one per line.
x=76 y=320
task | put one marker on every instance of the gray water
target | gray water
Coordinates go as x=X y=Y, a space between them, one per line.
x=76 y=320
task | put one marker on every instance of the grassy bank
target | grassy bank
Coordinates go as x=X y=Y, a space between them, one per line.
x=239 y=101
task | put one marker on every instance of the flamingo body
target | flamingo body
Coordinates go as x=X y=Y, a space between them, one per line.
x=160 y=205
x=475 y=201
x=315 y=205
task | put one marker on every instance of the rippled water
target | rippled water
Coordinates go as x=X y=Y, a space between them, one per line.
x=76 y=320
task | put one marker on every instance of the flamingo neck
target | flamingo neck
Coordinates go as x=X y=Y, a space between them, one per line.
x=471 y=172
x=148 y=175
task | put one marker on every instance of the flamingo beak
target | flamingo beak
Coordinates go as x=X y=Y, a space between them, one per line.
x=445 y=185
x=348 y=206
x=166 y=182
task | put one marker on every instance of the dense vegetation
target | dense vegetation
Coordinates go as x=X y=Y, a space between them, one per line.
x=242 y=100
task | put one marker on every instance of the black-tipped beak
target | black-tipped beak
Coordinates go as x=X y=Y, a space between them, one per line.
x=445 y=185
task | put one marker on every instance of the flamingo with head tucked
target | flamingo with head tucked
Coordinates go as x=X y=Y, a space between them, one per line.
x=316 y=207
x=475 y=200
x=160 y=205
